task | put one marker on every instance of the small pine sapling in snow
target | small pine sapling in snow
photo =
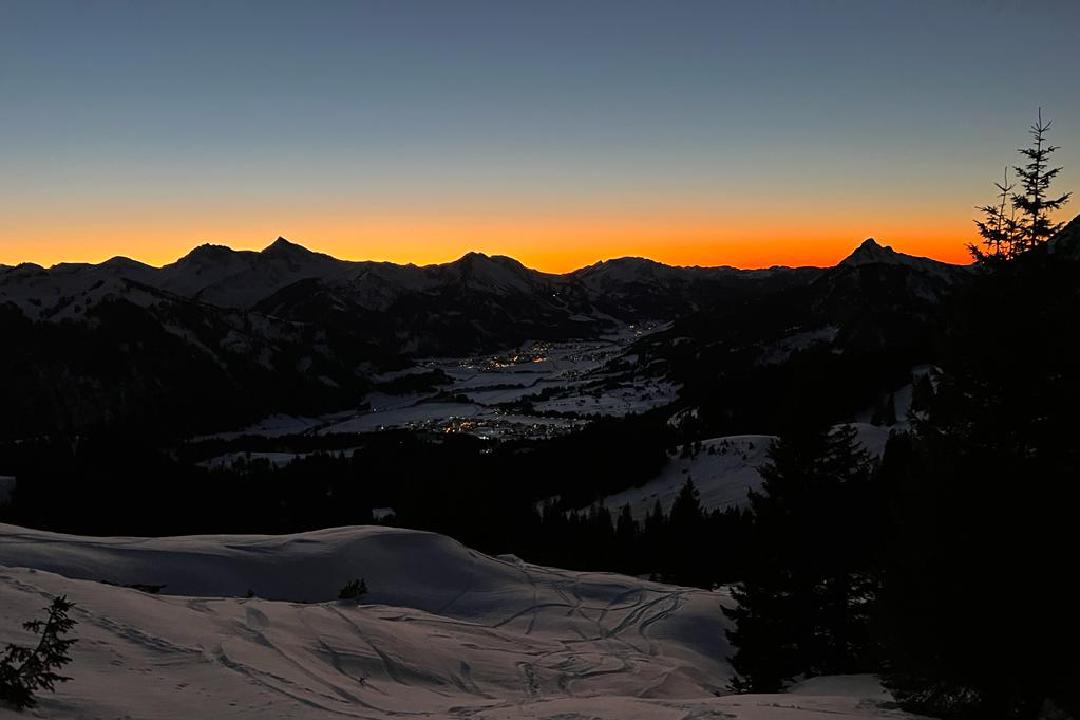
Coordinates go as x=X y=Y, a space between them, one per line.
x=24 y=670
x=353 y=590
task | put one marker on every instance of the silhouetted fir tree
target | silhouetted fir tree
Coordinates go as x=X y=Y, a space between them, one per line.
x=599 y=540
x=999 y=229
x=728 y=532
x=685 y=538
x=353 y=590
x=654 y=538
x=804 y=603
x=977 y=606
x=686 y=509
x=626 y=539
x=24 y=670
x=1035 y=203
x=654 y=521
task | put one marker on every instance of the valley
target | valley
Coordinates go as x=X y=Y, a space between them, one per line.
x=538 y=390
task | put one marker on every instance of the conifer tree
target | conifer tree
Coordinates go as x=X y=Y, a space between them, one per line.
x=654 y=538
x=1035 y=203
x=686 y=510
x=626 y=540
x=626 y=527
x=686 y=536
x=24 y=670
x=353 y=590
x=999 y=228
x=983 y=495
x=803 y=605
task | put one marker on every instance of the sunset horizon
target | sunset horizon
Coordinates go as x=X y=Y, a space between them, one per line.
x=683 y=247
x=709 y=133
x=539 y=359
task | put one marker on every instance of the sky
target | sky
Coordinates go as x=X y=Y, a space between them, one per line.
x=559 y=132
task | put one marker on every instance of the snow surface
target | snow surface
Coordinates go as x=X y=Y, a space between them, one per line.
x=724 y=469
x=448 y=633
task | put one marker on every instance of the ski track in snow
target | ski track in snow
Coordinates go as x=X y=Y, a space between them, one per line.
x=451 y=633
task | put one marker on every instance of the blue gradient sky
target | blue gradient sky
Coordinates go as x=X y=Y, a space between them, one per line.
x=558 y=132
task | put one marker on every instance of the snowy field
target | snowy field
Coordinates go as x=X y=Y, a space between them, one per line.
x=445 y=632
x=724 y=470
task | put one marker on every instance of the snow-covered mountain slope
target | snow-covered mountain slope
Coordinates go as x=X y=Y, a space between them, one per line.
x=874 y=269
x=449 y=633
x=228 y=278
x=725 y=471
x=652 y=289
x=870 y=252
x=66 y=291
x=1067 y=242
x=241 y=279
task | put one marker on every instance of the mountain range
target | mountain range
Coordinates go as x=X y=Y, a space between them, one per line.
x=222 y=336
x=268 y=280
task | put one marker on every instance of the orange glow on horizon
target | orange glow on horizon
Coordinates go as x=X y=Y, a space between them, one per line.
x=548 y=244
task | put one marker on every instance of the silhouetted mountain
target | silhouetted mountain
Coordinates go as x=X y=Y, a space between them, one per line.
x=1067 y=242
x=239 y=279
x=221 y=335
x=880 y=299
x=646 y=288
x=816 y=351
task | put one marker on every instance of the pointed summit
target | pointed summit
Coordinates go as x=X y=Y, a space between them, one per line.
x=282 y=247
x=871 y=252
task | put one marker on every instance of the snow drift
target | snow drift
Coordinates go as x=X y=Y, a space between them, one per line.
x=443 y=632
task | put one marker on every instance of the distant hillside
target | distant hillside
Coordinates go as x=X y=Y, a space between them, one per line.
x=223 y=336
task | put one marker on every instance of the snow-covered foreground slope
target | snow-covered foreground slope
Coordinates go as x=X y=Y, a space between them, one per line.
x=449 y=632
x=724 y=470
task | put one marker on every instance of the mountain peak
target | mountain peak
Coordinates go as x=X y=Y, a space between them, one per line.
x=126 y=264
x=281 y=246
x=871 y=252
x=478 y=260
x=208 y=251
x=473 y=257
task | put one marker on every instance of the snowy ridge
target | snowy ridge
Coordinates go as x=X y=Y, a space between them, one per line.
x=67 y=290
x=607 y=273
x=450 y=633
x=242 y=279
x=725 y=471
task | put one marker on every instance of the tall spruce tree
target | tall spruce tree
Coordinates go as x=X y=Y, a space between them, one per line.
x=804 y=604
x=626 y=541
x=685 y=539
x=1035 y=203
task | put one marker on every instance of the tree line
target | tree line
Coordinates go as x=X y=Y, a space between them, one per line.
x=948 y=567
